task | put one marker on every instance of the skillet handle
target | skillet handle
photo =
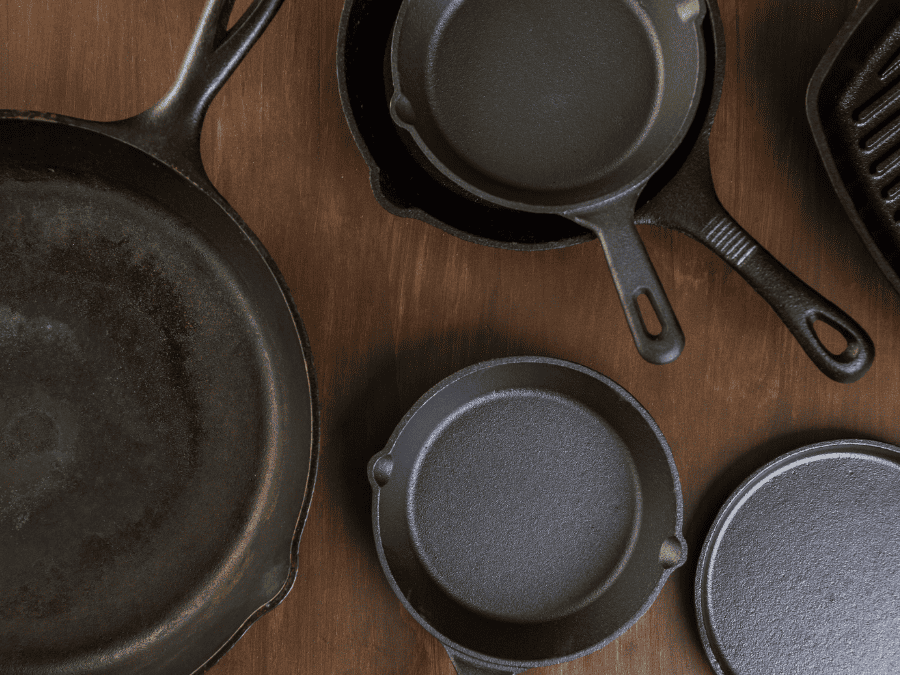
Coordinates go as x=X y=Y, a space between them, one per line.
x=634 y=276
x=798 y=305
x=170 y=129
x=689 y=203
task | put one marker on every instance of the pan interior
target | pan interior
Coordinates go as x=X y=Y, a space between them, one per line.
x=800 y=572
x=140 y=404
x=541 y=105
x=524 y=505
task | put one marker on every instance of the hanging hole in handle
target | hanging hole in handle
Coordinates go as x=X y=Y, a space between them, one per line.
x=830 y=337
x=647 y=312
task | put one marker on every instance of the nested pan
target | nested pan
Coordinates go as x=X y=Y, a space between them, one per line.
x=680 y=195
x=799 y=571
x=565 y=108
x=526 y=511
x=158 y=435
x=853 y=106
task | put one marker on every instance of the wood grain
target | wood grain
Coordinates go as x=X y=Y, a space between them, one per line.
x=394 y=305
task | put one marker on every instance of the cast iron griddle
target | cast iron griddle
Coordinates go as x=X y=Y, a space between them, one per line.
x=800 y=572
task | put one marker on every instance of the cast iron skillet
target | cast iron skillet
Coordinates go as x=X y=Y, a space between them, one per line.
x=567 y=107
x=799 y=571
x=680 y=195
x=852 y=104
x=526 y=511
x=158 y=424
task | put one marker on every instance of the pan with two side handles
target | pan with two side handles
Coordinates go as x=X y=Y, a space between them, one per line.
x=158 y=419
x=526 y=512
x=680 y=196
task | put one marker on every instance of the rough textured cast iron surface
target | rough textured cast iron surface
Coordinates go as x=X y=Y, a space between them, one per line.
x=799 y=571
x=853 y=105
x=526 y=511
x=158 y=435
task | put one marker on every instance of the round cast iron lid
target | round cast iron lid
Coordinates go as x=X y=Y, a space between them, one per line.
x=800 y=572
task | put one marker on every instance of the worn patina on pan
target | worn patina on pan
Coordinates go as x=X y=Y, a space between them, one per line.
x=526 y=511
x=158 y=422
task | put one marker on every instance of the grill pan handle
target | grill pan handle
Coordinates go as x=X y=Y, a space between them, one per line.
x=170 y=129
x=634 y=276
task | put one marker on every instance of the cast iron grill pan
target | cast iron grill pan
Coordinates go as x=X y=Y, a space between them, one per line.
x=853 y=105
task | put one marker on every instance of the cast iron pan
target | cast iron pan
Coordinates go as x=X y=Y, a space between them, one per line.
x=680 y=195
x=526 y=511
x=158 y=433
x=567 y=107
x=799 y=572
x=853 y=106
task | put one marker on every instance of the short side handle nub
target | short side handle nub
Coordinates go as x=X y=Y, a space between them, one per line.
x=634 y=276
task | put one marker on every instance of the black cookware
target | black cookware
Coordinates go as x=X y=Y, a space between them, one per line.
x=564 y=108
x=853 y=106
x=526 y=511
x=679 y=195
x=158 y=423
x=799 y=571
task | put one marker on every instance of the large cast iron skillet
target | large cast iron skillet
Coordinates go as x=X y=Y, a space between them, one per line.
x=526 y=511
x=158 y=434
x=680 y=195
x=799 y=571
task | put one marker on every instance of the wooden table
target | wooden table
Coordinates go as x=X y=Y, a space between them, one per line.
x=394 y=305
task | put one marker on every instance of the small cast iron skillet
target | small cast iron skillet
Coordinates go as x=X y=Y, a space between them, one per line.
x=852 y=103
x=567 y=107
x=799 y=571
x=680 y=195
x=526 y=511
x=158 y=422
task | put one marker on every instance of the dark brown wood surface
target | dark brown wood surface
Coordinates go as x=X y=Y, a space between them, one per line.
x=394 y=305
